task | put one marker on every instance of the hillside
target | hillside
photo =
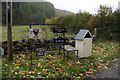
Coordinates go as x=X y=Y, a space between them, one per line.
x=60 y=12
x=25 y=13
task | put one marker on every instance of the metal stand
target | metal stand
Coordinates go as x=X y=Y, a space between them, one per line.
x=31 y=51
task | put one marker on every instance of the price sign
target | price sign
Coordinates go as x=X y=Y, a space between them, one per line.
x=59 y=30
x=40 y=52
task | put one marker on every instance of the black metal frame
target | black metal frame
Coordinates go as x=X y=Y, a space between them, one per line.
x=46 y=24
x=60 y=25
x=63 y=44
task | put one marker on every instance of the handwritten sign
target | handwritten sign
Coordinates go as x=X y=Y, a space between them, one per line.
x=59 y=30
x=40 y=52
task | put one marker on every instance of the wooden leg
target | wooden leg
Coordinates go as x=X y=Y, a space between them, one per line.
x=77 y=54
x=64 y=53
x=67 y=55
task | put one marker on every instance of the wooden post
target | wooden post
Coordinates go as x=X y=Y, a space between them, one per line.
x=9 y=30
x=0 y=40
x=95 y=32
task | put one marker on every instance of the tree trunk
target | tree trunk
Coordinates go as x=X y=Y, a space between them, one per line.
x=9 y=30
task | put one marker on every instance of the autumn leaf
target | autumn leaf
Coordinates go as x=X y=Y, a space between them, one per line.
x=77 y=63
x=33 y=72
x=24 y=76
x=44 y=69
x=6 y=65
x=39 y=73
x=21 y=55
x=32 y=76
x=38 y=63
x=17 y=67
x=8 y=75
x=81 y=75
x=81 y=64
x=39 y=76
x=18 y=61
x=89 y=72
x=29 y=72
x=12 y=70
x=27 y=64
x=22 y=73
x=16 y=73
x=78 y=77
x=15 y=64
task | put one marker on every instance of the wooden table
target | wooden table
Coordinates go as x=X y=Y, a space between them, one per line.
x=69 y=48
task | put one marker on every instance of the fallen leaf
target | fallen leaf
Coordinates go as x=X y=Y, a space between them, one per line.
x=81 y=64
x=33 y=72
x=39 y=73
x=6 y=65
x=78 y=77
x=16 y=73
x=27 y=64
x=18 y=61
x=32 y=76
x=29 y=72
x=81 y=75
x=8 y=75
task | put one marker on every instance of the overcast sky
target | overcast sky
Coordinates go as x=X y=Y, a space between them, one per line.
x=84 y=5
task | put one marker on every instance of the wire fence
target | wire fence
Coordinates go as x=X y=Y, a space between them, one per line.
x=108 y=34
x=21 y=37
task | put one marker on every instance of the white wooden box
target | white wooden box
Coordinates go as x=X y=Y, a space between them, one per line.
x=83 y=43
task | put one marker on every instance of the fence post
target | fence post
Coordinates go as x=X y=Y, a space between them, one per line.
x=95 y=32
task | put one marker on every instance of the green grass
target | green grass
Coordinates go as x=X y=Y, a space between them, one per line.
x=53 y=65
x=22 y=32
x=18 y=32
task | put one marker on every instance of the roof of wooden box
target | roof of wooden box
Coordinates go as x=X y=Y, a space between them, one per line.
x=83 y=34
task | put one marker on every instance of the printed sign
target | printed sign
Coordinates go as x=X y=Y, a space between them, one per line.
x=59 y=40
x=35 y=33
x=59 y=30
x=60 y=46
x=2 y=51
x=40 y=52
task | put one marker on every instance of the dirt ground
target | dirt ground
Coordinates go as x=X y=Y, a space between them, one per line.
x=111 y=72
